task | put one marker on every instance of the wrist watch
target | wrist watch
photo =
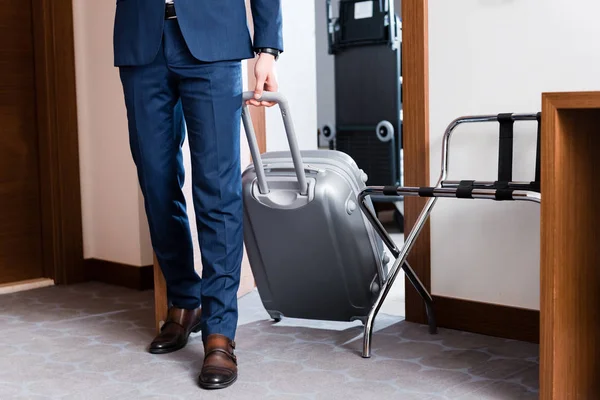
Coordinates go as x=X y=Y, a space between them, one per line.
x=274 y=52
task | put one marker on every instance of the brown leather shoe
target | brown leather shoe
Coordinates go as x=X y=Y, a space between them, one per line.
x=220 y=364
x=175 y=331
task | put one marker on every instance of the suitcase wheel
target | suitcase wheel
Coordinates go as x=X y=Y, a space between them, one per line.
x=275 y=316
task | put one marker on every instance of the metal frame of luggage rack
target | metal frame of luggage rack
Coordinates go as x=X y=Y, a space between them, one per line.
x=504 y=189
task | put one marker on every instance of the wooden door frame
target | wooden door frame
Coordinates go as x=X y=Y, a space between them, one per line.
x=56 y=121
x=415 y=103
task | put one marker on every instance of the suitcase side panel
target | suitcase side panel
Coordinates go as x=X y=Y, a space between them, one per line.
x=316 y=261
x=343 y=164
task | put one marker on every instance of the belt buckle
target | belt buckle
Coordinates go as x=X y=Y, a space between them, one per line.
x=170 y=10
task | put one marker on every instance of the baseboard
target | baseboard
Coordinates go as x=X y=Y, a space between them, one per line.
x=129 y=276
x=488 y=319
x=21 y=286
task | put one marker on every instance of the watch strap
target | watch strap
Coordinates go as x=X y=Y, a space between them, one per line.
x=269 y=50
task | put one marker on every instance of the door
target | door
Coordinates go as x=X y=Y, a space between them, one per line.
x=20 y=200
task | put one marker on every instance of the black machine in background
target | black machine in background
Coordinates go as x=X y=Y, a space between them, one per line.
x=365 y=40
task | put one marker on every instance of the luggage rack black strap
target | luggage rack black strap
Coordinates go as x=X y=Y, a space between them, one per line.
x=465 y=189
x=501 y=191
x=426 y=192
x=390 y=190
x=504 y=194
x=535 y=186
x=526 y=186
x=505 y=151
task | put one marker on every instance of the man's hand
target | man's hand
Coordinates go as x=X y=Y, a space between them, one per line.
x=264 y=71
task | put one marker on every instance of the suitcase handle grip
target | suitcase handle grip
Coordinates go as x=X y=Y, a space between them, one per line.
x=278 y=98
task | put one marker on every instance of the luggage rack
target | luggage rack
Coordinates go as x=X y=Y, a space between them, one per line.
x=504 y=189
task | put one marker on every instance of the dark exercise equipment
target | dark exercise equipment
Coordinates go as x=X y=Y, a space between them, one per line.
x=365 y=40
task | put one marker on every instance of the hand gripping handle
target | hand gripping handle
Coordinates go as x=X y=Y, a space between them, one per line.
x=278 y=98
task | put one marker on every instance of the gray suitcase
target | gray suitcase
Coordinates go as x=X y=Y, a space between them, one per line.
x=312 y=251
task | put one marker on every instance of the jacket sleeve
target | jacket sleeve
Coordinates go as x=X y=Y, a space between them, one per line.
x=267 y=19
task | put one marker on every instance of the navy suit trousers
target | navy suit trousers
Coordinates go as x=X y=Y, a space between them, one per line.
x=162 y=98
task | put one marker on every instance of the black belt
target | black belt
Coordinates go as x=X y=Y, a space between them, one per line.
x=170 y=11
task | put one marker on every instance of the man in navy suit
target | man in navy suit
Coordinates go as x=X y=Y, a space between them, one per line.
x=180 y=66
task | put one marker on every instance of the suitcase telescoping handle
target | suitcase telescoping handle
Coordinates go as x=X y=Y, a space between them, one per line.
x=278 y=98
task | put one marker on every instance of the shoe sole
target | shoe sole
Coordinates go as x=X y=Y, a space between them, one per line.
x=214 y=386
x=195 y=329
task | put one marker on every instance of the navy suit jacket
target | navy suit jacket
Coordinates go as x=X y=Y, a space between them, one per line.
x=214 y=30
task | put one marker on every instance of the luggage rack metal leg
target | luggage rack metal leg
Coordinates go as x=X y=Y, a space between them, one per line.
x=400 y=263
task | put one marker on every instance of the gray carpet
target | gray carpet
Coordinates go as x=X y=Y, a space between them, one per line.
x=88 y=342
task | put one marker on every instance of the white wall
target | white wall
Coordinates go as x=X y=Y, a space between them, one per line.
x=296 y=71
x=490 y=56
x=113 y=222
